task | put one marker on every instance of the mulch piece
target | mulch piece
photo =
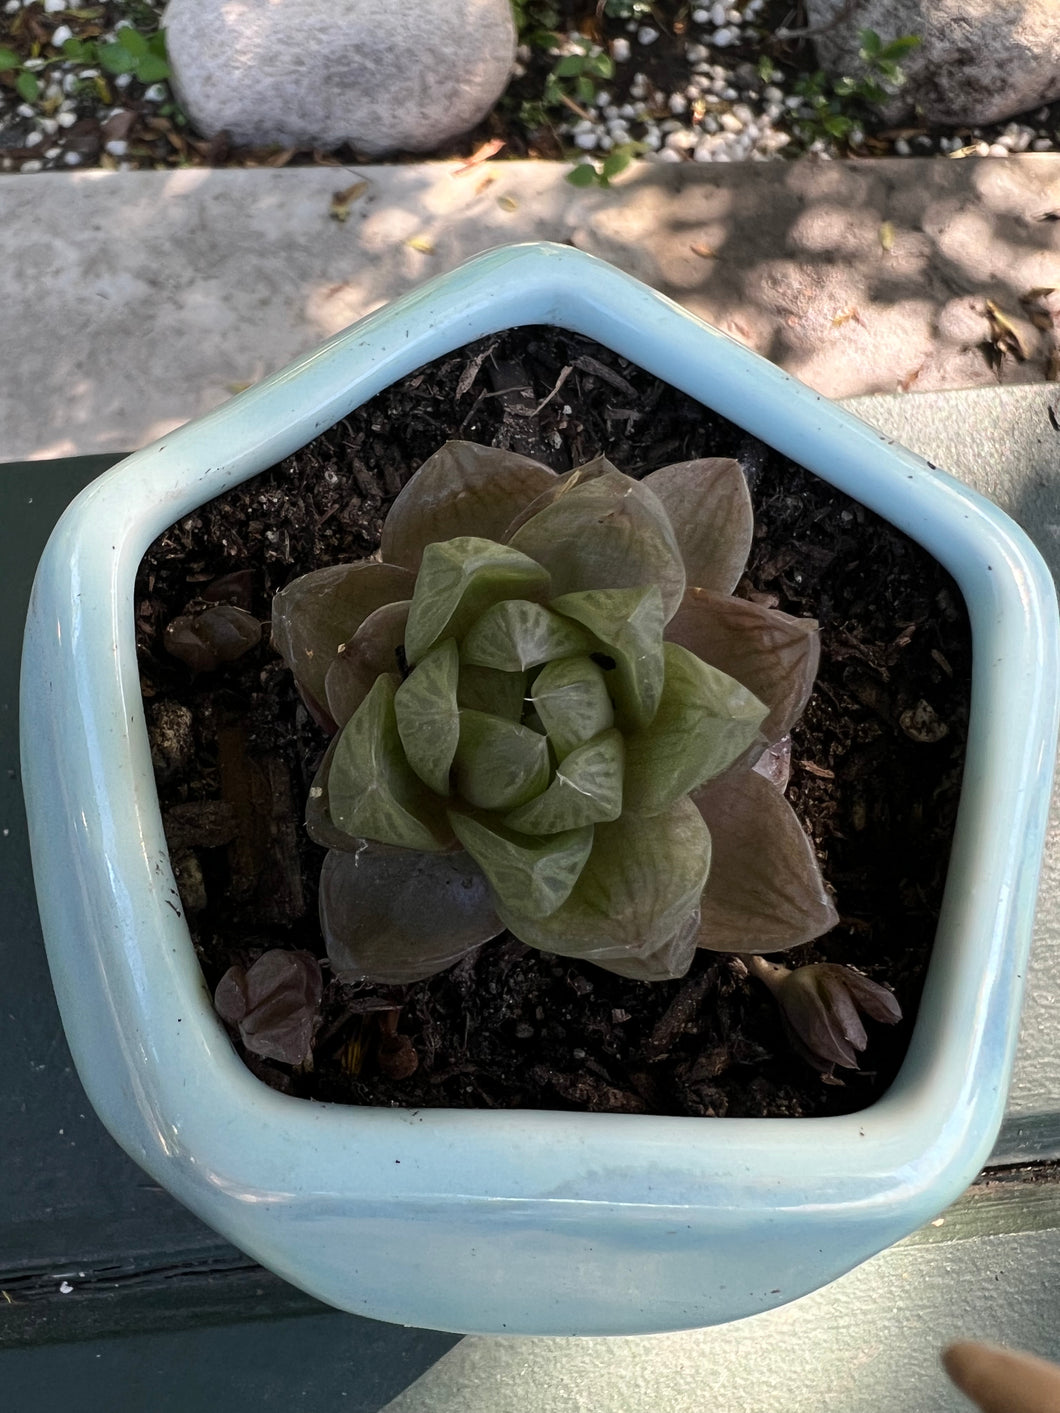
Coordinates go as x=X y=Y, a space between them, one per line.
x=876 y=776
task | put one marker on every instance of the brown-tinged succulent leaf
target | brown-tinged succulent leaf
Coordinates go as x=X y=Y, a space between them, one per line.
x=313 y=615
x=393 y=918
x=428 y=718
x=771 y=653
x=561 y=485
x=641 y=881
x=705 y=721
x=463 y=489
x=765 y=892
x=820 y=1006
x=373 y=792
x=373 y=650
x=669 y=960
x=274 y=1004
x=516 y=635
x=628 y=626
x=587 y=789
x=607 y=533
x=571 y=701
x=500 y=764
x=458 y=581
x=204 y=640
x=709 y=507
x=534 y=875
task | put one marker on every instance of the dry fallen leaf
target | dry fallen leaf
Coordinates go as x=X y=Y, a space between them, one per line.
x=1004 y=333
x=887 y=235
x=341 y=201
x=704 y=252
x=845 y=315
x=480 y=154
x=420 y=243
x=507 y=203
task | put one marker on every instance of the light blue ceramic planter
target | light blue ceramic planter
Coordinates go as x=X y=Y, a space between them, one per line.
x=520 y=1222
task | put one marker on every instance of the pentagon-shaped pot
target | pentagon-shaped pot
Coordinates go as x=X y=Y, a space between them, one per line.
x=521 y=1222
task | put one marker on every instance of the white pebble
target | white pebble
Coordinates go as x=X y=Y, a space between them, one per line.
x=652 y=139
x=33 y=139
x=25 y=110
x=33 y=166
x=123 y=81
x=620 y=51
x=602 y=100
x=729 y=94
x=901 y=147
x=585 y=140
x=678 y=103
x=680 y=141
x=731 y=123
x=12 y=7
x=718 y=14
x=72 y=159
x=70 y=82
x=604 y=143
x=60 y=35
x=772 y=94
x=50 y=126
x=701 y=17
x=668 y=155
x=53 y=7
x=52 y=153
x=117 y=147
x=982 y=149
x=996 y=150
x=646 y=35
x=696 y=53
x=33 y=65
x=66 y=119
x=1041 y=144
x=723 y=38
x=85 y=74
x=618 y=131
x=628 y=112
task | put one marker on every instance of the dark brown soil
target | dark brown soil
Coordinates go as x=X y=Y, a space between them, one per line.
x=876 y=760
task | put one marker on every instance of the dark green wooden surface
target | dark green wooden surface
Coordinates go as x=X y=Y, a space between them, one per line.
x=160 y=1310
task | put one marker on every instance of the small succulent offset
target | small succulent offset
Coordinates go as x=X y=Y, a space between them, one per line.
x=546 y=707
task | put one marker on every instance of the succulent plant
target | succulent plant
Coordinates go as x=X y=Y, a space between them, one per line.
x=546 y=707
x=821 y=1006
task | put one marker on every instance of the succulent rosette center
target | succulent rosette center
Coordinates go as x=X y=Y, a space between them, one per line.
x=546 y=706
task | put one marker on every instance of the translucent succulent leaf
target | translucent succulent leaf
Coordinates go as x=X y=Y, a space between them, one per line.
x=586 y=789
x=463 y=489
x=428 y=718
x=393 y=918
x=608 y=533
x=561 y=485
x=458 y=581
x=486 y=689
x=642 y=880
x=571 y=700
x=318 y=808
x=706 y=720
x=533 y=875
x=203 y=641
x=765 y=892
x=372 y=790
x=372 y=651
x=275 y=1004
x=669 y=960
x=628 y=624
x=499 y=764
x=317 y=612
x=517 y=634
x=710 y=510
x=773 y=654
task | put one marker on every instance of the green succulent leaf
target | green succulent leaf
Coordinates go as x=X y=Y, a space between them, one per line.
x=499 y=764
x=312 y=616
x=463 y=489
x=771 y=653
x=668 y=960
x=517 y=634
x=706 y=720
x=628 y=624
x=373 y=792
x=533 y=875
x=710 y=510
x=765 y=892
x=373 y=650
x=458 y=580
x=571 y=700
x=373 y=906
x=498 y=693
x=608 y=533
x=428 y=718
x=642 y=880
x=587 y=789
